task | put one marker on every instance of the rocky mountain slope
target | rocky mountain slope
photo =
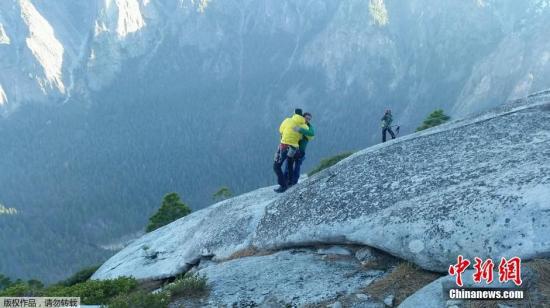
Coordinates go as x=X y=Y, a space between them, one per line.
x=478 y=187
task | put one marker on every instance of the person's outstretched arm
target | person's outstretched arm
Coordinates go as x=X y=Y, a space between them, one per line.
x=309 y=132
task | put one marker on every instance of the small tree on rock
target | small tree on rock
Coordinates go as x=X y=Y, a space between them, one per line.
x=172 y=208
x=328 y=162
x=435 y=118
x=223 y=193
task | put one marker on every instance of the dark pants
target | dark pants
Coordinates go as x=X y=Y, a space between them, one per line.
x=284 y=153
x=298 y=160
x=387 y=129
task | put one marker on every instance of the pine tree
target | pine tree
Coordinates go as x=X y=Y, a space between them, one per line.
x=223 y=193
x=172 y=208
x=435 y=118
x=5 y=282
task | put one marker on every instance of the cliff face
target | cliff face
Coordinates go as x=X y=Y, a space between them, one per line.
x=477 y=187
x=108 y=104
x=381 y=50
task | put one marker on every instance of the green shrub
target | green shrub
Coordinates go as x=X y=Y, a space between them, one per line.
x=327 y=162
x=223 y=193
x=90 y=291
x=5 y=282
x=23 y=289
x=141 y=299
x=188 y=286
x=437 y=117
x=80 y=276
x=94 y=291
x=171 y=209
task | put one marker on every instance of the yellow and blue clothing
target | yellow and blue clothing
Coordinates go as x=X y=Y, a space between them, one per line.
x=288 y=135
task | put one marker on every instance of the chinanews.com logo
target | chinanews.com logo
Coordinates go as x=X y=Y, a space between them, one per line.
x=484 y=274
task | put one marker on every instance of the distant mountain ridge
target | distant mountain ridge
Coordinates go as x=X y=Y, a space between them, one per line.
x=109 y=104
x=57 y=49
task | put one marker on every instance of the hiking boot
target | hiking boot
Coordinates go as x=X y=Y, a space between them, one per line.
x=280 y=189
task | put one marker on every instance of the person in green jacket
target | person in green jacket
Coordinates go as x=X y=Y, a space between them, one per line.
x=386 y=125
x=307 y=135
x=289 y=145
